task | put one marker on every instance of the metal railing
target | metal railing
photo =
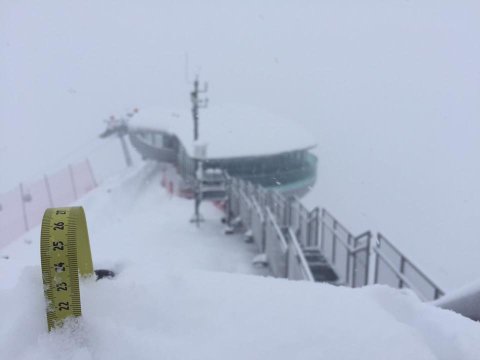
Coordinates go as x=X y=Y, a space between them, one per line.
x=258 y=226
x=347 y=253
x=288 y=233
x=276 y=247
x=245 y=210
x=298 y=268
x=274 y=178
x=395 y=269
x=283 y=228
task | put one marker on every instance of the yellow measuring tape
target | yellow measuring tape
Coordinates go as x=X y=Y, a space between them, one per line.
x=65 y=252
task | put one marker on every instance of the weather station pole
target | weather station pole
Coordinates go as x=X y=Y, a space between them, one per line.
x=197 y=104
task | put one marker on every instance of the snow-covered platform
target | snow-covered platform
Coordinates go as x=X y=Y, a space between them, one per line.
x=229 y=131
x=246 y=142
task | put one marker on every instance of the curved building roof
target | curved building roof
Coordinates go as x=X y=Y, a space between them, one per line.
x=229 y=131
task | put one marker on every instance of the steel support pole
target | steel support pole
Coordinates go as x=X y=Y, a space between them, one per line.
x=24 y=210
x=126 y=153
x=49 y=190
x=72 y=180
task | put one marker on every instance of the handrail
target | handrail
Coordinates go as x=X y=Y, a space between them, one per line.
x=277 y=228
x=367 y=234
x=258 y=207
x=339 y=224
x=334 y=231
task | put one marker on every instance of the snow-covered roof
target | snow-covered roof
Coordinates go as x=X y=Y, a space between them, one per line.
x=229 y=131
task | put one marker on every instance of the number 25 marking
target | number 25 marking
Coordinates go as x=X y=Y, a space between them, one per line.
x=57 y=245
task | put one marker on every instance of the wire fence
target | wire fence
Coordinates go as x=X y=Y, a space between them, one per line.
x=22 y=208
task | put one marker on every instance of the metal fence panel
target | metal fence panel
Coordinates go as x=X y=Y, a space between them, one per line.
x=359 y=268
x=301 y=222
x=235 y=202
x=394 y=269
x=341 y=262
x=298 y=268
x=279 y=208
x=419 y=283
x=385 y=273
x=312 y=227
x=295 y=214
x=348 y=255
x=275 y=247
x=258 y=226
x=245 y=210
x=328 y=242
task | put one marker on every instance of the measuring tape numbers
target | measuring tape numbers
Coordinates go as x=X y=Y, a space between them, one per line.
x=65 y=254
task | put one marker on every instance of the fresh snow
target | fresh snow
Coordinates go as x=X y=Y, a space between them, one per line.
x=154 y=226
x=176 y=296
x=389 y=91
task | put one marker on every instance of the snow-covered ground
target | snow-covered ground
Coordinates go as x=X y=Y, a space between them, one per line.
x=131 y=219
x=389 y=90
x=184 y=292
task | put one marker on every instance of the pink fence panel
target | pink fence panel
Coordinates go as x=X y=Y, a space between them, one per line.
x=61 y=186
x=22 y=208
x=83 y=178
x=12 y=223
x=37 y=198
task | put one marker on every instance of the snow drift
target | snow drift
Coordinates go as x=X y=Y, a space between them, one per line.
x=166 y=301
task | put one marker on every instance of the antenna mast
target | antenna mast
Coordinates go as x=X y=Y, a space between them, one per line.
x=197 y=104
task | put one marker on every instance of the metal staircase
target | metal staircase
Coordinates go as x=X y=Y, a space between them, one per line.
x=321 y=270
